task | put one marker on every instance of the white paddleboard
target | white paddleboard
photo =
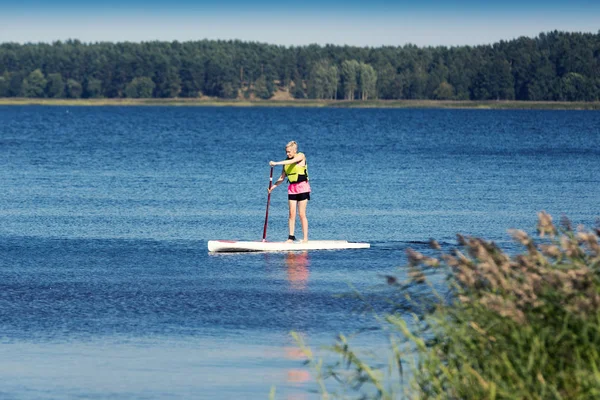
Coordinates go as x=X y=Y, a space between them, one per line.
x=222 y=246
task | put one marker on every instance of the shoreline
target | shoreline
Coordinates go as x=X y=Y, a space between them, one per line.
x=445 y=104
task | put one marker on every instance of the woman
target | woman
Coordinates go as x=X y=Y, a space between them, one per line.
x=294 y=169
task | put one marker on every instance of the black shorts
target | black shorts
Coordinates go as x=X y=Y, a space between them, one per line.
x=299 y=196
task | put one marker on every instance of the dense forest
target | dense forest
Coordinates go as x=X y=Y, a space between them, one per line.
x=555 y=66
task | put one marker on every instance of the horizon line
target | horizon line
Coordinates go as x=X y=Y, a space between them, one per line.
x=407 y=44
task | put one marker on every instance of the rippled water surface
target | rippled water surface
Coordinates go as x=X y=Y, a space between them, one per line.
x=106 y=286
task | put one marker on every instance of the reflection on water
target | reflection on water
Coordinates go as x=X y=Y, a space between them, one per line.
x=297 y=377
x=298 y=264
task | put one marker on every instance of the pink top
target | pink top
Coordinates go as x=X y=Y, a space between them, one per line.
x=299 y=187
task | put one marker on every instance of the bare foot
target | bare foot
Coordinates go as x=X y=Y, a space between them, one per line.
x=304 y=241
x=289 y=241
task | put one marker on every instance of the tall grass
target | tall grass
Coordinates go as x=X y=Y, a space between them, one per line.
x=525 y=326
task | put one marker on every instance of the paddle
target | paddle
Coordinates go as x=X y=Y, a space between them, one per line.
x=264 y=239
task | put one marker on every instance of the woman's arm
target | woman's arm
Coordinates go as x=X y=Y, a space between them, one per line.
x=297 y=158
x=281 y=179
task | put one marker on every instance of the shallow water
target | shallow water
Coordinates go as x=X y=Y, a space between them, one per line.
x=106 y=287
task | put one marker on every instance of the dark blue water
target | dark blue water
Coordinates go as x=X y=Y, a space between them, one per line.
x=106 y=286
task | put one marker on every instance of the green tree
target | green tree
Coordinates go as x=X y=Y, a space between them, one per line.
x=319 y=80
x=4 y=84
x=503 y=80
x=494 y=81
x=261 y=89
x=417 y=84
x=298 y=90
x=333 y=78
x=401 y=86
x=192 y=76
x=386 y=75
x=16 y=83
x=367 y=81
x=93 y=88
x=74 y=89
x=437 y=74
x=34 y=85
x=271 y=85
x=576 y=87
x=481 y=87
x=444 y=91
x=521 y=54
x=220 y=77
x=350 y=70
x=168 y=83
x=461 y=72
x=140 y=88
x=543 y=80
x=228 y=91
x=55 y=87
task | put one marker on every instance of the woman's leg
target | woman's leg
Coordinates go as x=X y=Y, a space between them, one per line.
x=302 y=213
x=292 y=217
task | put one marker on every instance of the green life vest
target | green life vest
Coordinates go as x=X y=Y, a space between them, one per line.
x=296 y=173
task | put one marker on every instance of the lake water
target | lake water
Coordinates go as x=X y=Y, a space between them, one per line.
x=106 y=286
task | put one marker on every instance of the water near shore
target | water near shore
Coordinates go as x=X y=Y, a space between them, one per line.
x=106 y=287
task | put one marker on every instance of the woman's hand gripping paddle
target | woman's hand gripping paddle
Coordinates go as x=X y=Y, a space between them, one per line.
x=264 y=239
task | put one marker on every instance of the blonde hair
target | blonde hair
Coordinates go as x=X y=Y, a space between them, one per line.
x=292 y=144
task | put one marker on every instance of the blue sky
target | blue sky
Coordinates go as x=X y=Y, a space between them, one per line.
x=351 y=22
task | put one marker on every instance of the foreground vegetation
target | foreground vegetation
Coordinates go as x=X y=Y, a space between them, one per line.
x=555 y=66
x=513 y=327
x=215 y=102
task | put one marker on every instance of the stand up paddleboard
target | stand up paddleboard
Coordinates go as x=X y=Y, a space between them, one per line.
x=230 y=246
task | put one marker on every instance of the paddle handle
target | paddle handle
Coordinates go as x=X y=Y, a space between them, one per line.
x=264 y=239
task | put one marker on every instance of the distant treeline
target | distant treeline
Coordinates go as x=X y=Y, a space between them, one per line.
x=555 y=66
